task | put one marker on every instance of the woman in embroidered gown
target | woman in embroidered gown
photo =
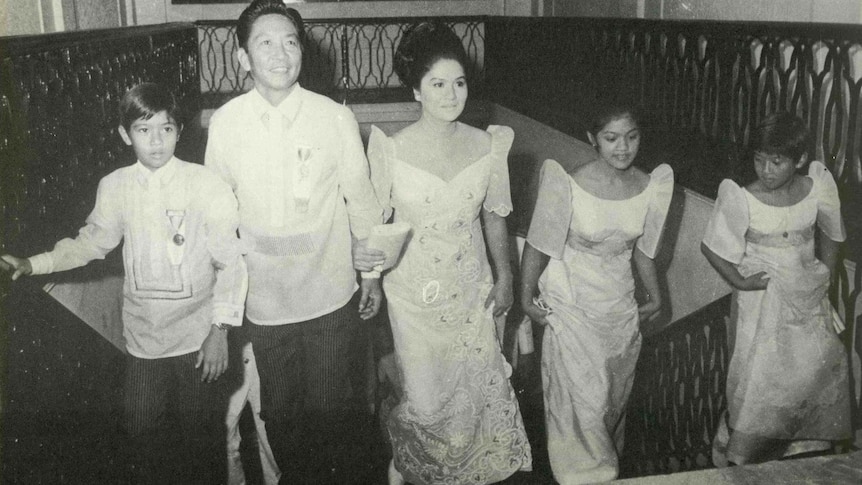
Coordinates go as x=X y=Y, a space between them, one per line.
x=458 y=421
x=587 y=226
x=787 y=387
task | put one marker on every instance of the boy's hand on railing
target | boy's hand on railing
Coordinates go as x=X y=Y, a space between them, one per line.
x=17 y=266
x=213 y=355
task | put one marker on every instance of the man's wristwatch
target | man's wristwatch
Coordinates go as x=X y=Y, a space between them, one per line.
x=221 y=326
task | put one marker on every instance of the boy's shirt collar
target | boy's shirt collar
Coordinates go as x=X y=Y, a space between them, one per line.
x=161 y=175
x=289 y=106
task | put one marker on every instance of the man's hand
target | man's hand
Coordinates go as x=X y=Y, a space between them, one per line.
x=371 y=298
x=365 y=258
x=17 y=266
x=213 y=355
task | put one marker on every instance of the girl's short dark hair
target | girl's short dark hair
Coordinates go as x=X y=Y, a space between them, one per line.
x=147 y=100
x=422 y=46
x=259 y=8
x=781 y=133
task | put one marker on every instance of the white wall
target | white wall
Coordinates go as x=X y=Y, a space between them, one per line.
x=21 y=19
x=830 y=11
x=96 y=14
x=160 y=11
x=27 y=17
x=834 y=11
x=595 y=8
x=35 y=16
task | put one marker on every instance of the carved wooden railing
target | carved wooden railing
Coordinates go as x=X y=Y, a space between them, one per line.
x=347 y=59
x=58 y=118
x=701 y=87
x=678 y=395
x=57 y=138
x=60 y=382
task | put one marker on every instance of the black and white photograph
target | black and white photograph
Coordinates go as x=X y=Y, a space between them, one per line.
x=430 y=242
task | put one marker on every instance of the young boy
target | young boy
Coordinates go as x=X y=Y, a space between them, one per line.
x=185 y=284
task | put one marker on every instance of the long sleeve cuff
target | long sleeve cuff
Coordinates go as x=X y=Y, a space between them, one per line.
x=41 y=263
x=227 y=314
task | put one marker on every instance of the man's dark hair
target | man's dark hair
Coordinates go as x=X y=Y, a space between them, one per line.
x=259 y=8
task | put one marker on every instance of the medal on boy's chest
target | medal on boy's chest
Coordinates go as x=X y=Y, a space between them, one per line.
x=177 y=219
x=177 y=240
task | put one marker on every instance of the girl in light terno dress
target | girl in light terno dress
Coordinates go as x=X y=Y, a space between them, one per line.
x=588 y=225
x=787 y=383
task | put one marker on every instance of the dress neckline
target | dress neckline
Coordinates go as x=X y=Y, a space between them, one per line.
x=807 y=196
x=439 y=178
x=642 y=192
x=494 y=141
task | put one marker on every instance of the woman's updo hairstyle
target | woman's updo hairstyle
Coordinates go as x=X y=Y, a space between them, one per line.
x=422 y=46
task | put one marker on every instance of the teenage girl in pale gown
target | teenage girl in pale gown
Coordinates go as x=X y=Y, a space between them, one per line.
x=588 y=225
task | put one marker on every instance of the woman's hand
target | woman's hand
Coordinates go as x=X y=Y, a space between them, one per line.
x=365 y=258
x=536 y=313
x=757 y=281
x=387 y=370
x=501 y=296
x=730 y=272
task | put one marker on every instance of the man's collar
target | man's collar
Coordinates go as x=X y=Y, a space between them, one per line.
x=288 y=107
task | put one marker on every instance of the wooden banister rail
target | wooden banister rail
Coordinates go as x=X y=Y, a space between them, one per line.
x=58 y=103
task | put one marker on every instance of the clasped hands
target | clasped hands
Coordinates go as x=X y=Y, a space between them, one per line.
x=366 y=259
